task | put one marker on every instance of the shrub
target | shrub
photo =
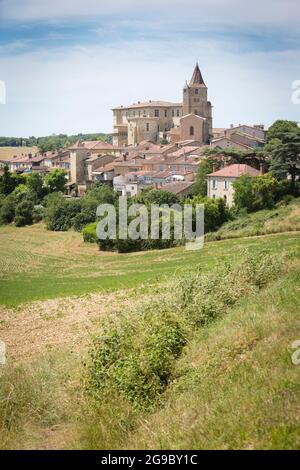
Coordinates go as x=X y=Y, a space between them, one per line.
x=38 y=213
x=215 y=211
x=60 y=213
x=89 y=233
x=136 y=358
x=202 y=298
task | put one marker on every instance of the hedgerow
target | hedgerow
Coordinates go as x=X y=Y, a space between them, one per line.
x=135 y=357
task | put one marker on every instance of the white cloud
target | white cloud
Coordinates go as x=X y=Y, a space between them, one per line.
x=282 y=13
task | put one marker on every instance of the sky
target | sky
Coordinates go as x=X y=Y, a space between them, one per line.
x=65 y=64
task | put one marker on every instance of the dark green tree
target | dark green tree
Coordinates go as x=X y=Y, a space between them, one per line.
x=24 y=212
x=279 y=128
x=285 y=158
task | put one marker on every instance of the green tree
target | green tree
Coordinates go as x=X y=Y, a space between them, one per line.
x=243 y=193
x=215 y=211
x=56 y=180
x=285 y=158
x=7 y=210
x=154 y=196
x=265 y=189
x=9 y=181
x=200 y=186
x=35 y=183
x=24 y=212
x=280 y=128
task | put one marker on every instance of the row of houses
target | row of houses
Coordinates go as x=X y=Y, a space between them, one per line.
x=132 y=169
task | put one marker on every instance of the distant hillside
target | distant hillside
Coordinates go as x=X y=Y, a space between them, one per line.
x=50 y=142
x=8 y=152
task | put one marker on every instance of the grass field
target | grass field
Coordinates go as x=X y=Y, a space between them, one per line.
x=36 y=264
x=8 y=152
x=234 y=385
x=283 y=218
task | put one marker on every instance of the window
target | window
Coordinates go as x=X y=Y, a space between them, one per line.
x=147 y=127
x=214 y=184
x=226 y=184
x=173 y=113
x=177 y=113
x=166 y=113
x=196 y=91
x=156 y=113
x=192 y=130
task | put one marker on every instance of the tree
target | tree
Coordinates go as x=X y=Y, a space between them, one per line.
x=285 y=158
x=24 y=212
x=154 y=196
x=280 y=128
x=35 y=184
x=215 y=211
x=243 y=193
x=9 y=181
x=265 y=189
x=60 y=213
x=7 y=210
x=255 y=193
x=56 y=180
x=200 y=186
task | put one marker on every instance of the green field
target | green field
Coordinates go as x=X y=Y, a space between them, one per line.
x=233 y=385
x=36 y=264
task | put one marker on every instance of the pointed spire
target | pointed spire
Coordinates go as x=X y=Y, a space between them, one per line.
x=197 y=77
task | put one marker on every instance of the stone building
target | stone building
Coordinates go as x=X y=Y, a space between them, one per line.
x=156 y=120
x=219 y=183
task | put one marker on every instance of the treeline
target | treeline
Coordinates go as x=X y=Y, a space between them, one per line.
x=51 y=142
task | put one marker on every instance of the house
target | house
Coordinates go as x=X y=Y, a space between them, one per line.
x=219 y=183
x=104 y=174
x=127 y=185
x=180 y=188
x=226 y=142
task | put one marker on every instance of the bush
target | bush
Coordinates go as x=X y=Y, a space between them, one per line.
x=24 y=212
x=60 y=213
x=136 y=358
x=38 y=213
x=215 y=211
x=203 y=298
x=89 y=233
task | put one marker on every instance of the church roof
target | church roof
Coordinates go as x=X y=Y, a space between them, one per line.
x=150 y=104
x=197 y=77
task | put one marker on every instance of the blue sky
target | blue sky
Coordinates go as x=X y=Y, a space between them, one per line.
x=65 y=64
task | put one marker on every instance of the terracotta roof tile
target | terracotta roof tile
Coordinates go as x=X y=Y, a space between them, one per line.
x=235 y=171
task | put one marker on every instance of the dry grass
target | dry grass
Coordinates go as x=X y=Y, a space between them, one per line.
x=9 y=152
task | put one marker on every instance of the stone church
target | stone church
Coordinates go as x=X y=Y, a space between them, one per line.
x=163 y=120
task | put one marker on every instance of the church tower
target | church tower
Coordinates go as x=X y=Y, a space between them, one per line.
x=195 y=101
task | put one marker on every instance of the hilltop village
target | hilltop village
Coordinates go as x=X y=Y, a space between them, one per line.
x=156 y=144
